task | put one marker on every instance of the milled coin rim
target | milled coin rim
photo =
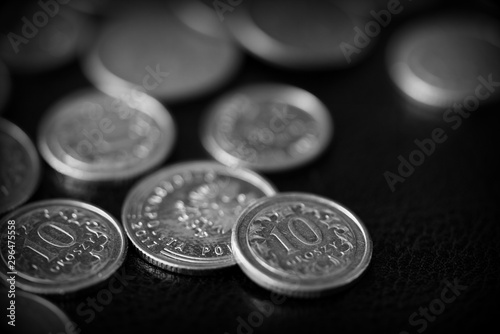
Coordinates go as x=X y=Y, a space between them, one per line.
x=148 y=105
x=24 y=140
x=291 y=95
x=268 y=280
x=61 y=287
x=179 y=264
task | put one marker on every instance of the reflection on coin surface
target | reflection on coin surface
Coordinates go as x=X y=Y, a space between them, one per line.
x=180 y=218
x=4 y=85
x=92 y=136
x=294 y=33
x=44 y=42
x=19 y=167
x=439 y=61
x=267 y=128
x=300 y=244
x=34 y=314
x=61 y=246
x=155 y=50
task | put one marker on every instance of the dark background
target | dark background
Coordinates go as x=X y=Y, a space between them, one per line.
x=440 y=224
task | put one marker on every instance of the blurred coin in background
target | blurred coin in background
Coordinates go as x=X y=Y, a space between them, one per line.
x=301 y=245
x=447 y=59
x=297 y=34
x=62 y=246
x=181 y=217
x=40 y=38
x=4 y=85
x=91 y=136
x=19 y=167
x=152 y=48
x=267 y=127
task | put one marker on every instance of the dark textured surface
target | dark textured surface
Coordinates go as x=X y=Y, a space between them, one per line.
x=441 y=224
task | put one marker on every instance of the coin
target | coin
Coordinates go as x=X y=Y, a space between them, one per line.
x=300 y=244
x=180 y=218
x=34 y=314
x=267 y=127
x=43 y=39
x=153 y=49
x=20 y=167
x=95 y=137
x=60 y=246
x=4 y=85
x=295 y=34
x=440 y=61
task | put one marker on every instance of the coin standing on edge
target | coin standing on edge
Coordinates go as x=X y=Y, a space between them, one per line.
x=91 y=136
x=268 y=127
x=301 y=245
x=19 y=167
x=153 y=49
x=61 y=246
x=181 y=217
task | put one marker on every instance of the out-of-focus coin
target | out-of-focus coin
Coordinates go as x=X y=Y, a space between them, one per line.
x=4 y=85
x=267 y=127
x=43 y=39
x=95 y=137
x=19 y=167
x=444 y=60
x=153 y=49
x=300 y=244
x=296 y=34
x=34 y=314
x=180 y=218
x=61 y=246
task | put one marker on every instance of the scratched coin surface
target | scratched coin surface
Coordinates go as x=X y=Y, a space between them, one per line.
x=300 y=244
x=60 y=246
x=19 y=167
x=180 y=218
x=95 y=137
x=267 y=127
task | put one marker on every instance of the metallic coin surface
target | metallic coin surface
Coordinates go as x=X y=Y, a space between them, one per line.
x=19 y=167
x=300 y=244
x=157 y=52
x=299 y=34
x=95 y=137
x=4 y=85
x=267 y=127
x=180 y=218
x=42 y=42
x=442 y=60
x=61 y=246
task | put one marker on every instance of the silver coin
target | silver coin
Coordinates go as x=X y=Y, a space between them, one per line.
x=151 y=48
x=4 y=85
x=20 y=167
x=180 y=218
x=41 y=41
x=295 y=34
x=95 y=137
x=437 y=62
x=61 y=246
x=300 y=244
x=267 y=127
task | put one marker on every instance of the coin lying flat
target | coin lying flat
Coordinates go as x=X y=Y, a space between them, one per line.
x=295 y=34
x=267 y=127
x=95 y=137
x=180 y=218
x=19 y=168
x=155 y=50
x=439 y=61
x=301 y=245
x=61 y=246
x=4 y=85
